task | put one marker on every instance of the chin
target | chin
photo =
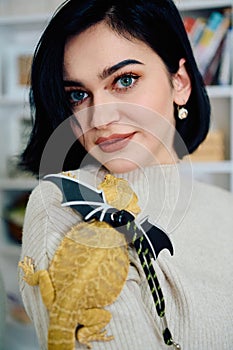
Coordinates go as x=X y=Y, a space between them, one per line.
x=120 y=166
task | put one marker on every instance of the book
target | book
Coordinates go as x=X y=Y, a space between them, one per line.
x=211 y=75
x=189 y=23
x=225 y=70
x=212 y=36
x=196 y=30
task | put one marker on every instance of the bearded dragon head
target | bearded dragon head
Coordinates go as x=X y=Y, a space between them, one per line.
x=119 y=194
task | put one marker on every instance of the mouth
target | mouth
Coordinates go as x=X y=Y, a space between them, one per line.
x=115 y=142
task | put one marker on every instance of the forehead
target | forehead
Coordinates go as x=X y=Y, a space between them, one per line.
x=99 y=46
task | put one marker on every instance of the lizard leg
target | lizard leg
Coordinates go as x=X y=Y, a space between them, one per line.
x=93 y=321
x=28 y=268
x=40 y=278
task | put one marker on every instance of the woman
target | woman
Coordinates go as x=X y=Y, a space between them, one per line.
x=121 y=78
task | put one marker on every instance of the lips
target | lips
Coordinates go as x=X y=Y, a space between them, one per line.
x=114 y=142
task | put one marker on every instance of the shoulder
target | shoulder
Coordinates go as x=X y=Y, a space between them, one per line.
x=46 y=221
x=46 y=194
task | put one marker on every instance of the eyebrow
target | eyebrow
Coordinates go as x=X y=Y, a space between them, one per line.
x=68 y=83
x=106 y=72
x=110 y=70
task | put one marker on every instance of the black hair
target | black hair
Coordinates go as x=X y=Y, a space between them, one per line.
x=155 y=22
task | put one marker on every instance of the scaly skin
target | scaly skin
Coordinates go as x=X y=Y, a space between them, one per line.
x=87 y=272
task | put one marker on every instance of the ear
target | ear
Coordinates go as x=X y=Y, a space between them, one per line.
x=181 y=84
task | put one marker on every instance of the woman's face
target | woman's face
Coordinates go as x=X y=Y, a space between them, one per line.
x=122 y=98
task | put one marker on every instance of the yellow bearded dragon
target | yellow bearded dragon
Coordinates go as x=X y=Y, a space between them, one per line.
x=87 y=273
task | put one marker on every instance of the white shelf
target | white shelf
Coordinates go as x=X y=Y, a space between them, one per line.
x=184 y=5
x=8 y=102
x=223 y=167
x=220 y=91
x=23 y=184
x=11 y=20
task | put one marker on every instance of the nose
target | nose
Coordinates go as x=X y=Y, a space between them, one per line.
x=104 y=114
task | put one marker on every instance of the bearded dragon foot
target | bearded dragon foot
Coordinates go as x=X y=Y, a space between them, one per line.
x=27 y=265
x=85 y=339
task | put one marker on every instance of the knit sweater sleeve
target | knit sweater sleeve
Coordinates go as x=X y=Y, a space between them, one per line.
x=46 y=223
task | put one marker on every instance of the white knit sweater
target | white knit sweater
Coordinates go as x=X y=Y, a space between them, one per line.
x=196 y=281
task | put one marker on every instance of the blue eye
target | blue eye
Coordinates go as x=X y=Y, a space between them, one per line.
x=125 y=81
x=77 y=96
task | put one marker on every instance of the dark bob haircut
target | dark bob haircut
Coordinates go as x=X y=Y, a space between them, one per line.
x=155 y=22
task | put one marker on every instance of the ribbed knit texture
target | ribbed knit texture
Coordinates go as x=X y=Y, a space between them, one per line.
x=197 y=281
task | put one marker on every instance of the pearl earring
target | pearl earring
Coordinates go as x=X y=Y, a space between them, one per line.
x=182 y=112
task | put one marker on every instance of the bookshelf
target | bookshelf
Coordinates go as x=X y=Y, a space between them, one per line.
x=20 y=28
x=22 y=31
x=220 y=170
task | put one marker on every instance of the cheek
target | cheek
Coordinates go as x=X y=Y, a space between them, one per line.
x=86 y=141
x=158 y=97
x=77 y=131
